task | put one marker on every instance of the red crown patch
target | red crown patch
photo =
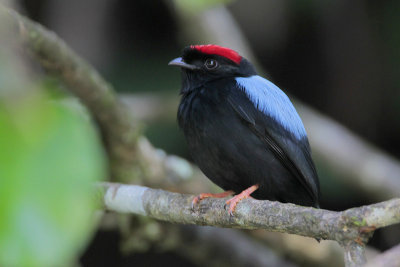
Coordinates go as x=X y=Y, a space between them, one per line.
x=218 y=50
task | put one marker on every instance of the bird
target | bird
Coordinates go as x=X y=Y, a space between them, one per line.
x=242 y=130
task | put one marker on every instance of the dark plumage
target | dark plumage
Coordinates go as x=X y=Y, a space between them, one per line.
x=242 y=130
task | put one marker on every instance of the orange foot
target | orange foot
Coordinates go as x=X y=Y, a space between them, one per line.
x=236 y=199
x=200 y=197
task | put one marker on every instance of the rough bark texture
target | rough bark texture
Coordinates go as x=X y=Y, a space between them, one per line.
x=350 y=227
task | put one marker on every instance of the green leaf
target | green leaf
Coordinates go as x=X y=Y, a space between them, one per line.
x=49 y=158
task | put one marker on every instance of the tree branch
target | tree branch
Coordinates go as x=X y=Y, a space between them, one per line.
x=118 y=127
x=206 y=246
x=352 y=225
x=233 y=248
x=354 y=254
x=372 y=171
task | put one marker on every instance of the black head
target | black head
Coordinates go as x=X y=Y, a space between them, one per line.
x=204 y=63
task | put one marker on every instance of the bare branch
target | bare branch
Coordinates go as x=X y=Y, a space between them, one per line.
x=355 y=224
x=351 y=228
x=234 y=248
x=206 y=246
x=354 y=254
x=348 y=155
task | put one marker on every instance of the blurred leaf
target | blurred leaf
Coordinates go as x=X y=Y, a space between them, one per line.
x=193 y=6
x=49 y=159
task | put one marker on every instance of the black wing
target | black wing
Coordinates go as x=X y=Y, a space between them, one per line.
x=293 y=153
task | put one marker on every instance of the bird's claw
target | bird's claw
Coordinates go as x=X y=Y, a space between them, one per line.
x=195 y=201
x=232 y=206
x=236 y=199
x=230 y=210
x=202 y=196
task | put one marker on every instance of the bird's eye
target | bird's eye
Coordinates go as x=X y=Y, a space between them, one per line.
x=211 y=64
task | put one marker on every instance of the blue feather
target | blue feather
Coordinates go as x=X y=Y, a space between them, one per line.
x=270 y=100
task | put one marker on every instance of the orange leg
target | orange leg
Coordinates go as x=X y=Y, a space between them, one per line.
x=236 y=199
x=207 y=195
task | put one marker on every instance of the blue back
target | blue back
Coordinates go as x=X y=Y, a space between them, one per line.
x=272 y=101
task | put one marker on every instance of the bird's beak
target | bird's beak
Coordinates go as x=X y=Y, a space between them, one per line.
x=180 y=63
